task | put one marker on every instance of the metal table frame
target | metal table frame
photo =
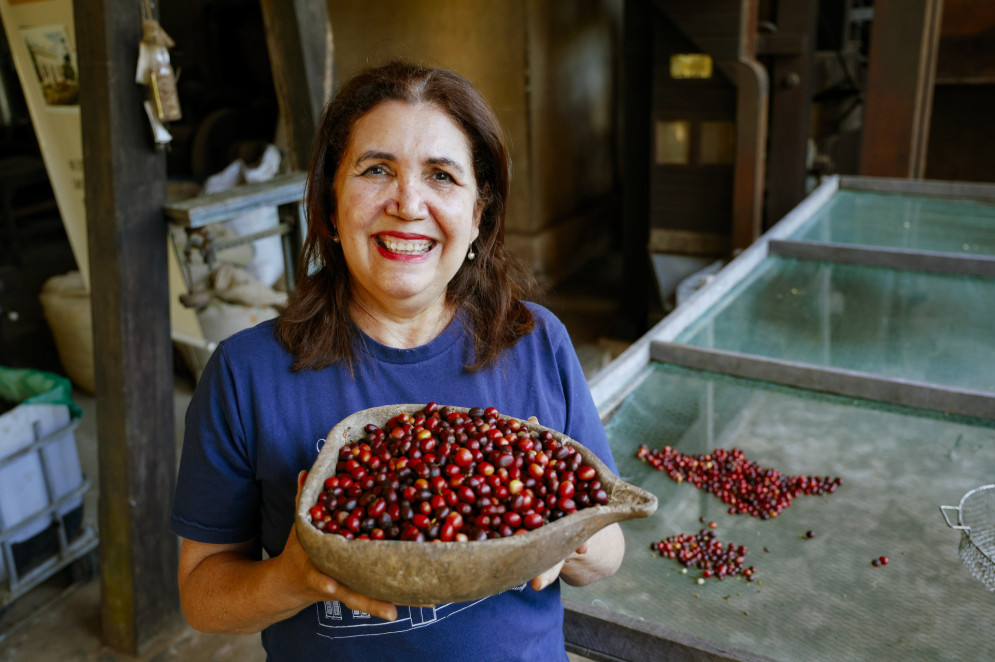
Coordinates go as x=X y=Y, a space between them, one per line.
x=285 y=192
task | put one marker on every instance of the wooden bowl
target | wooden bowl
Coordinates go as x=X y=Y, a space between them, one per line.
x=424 y=573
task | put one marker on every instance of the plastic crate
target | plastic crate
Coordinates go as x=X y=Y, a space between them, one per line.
x=41 y=482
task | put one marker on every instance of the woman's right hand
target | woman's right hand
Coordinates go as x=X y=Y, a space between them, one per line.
x=225 y=588
x=319 y=586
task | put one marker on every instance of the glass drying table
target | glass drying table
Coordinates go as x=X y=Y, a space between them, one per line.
x=855 y=339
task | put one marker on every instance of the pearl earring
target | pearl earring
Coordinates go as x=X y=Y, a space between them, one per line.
x=471 y=254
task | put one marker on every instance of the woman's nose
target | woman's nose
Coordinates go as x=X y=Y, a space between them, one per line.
x=407 y=203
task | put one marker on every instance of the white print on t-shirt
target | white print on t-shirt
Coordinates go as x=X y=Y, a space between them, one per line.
x=337 y=623
x=334 y=622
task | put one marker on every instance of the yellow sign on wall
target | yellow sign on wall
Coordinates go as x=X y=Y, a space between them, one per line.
x=690 y=65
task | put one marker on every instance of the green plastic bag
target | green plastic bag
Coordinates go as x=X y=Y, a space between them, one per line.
x=26 y=386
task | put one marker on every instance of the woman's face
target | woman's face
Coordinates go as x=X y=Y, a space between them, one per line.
x=406 y=198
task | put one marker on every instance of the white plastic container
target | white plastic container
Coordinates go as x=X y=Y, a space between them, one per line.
x=32 y=481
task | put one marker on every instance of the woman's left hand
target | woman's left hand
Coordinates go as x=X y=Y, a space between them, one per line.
x=582 y=568
x=550 y=576
x=596 y=559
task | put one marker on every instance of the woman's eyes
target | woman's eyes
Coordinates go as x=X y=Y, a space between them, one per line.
x=435 y=176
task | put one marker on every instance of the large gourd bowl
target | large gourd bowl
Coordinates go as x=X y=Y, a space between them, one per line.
x=428 y=573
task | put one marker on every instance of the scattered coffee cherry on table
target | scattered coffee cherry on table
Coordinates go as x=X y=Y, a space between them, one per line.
x=705 y=552
x=879 y=561
x=442 y=475
x=747 y=487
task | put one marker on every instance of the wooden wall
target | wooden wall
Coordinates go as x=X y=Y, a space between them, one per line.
x=548 y=68
x=962 y=133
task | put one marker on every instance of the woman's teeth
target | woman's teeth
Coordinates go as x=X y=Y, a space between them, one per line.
x=404 y=246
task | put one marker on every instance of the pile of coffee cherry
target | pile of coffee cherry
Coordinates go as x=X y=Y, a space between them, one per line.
x=747 y=487
x=704 y=551
x=445 y=475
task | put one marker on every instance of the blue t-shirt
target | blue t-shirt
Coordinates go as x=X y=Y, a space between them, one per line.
x=253 y=425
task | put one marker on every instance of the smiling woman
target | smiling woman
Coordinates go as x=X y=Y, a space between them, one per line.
x=444 y=132
x=406 y=215
x=405 y=295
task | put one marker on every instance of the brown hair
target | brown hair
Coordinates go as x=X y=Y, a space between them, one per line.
x=316 y=326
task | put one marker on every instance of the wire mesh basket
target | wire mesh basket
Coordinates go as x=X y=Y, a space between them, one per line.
x=976 y=520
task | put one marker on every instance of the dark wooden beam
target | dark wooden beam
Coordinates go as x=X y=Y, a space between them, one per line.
x=967 y=43
x=636 y=160
x=752 y=110
x=791 y=49
x=125 y=191
x=713 y=25
x=899 y=94
x=299 y=40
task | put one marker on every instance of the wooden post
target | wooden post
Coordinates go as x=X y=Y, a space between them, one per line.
x=636 y=160
x=791 y=49
x=752 y=110
x=125 y=192
x=299 y=40
x=899 y=97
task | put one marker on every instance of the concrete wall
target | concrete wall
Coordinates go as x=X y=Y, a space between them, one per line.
x=549 y=70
